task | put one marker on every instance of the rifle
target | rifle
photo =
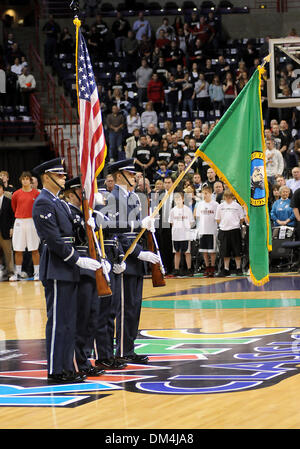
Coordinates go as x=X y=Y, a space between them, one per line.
x=103 y=287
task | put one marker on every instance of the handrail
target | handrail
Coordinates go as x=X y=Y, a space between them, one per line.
x=56 y=140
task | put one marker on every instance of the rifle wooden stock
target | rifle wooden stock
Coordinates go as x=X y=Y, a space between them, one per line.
x=160 y=205
x=103 y=288
x=157 y=275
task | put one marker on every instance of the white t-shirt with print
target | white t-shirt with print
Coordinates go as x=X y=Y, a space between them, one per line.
x=205 y=214
x=229 y=215
x=182 y=220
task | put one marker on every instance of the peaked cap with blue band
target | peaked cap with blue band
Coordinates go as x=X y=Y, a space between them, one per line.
x=52 y=166
x=125 y=165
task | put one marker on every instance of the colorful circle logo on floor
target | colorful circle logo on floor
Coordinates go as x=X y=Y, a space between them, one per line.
x=181 y=362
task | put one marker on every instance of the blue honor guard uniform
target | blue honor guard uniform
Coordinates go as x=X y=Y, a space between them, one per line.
x=123 y=211
x=88 y=302
x=59 y=273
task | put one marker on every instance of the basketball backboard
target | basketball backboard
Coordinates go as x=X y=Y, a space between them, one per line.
x=285 y=58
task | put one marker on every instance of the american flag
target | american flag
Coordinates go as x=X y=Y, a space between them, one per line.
x=92 y=146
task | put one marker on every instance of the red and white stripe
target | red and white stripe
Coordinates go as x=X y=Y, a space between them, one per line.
x=92 y=146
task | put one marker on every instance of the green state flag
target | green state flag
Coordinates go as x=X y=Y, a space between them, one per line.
x=236 y=150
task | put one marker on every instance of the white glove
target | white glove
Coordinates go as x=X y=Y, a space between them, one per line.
x=106 y=264
x=148 y=256
x=149 y=224
x=118 y=268
x=88 y=263
x=98 y=199
x=91 y=222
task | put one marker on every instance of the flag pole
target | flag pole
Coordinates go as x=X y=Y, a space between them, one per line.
x=162 y=202
x=103 y=287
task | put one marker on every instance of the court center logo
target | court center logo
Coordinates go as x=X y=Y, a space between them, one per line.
x=258 y=192
x=181 y=362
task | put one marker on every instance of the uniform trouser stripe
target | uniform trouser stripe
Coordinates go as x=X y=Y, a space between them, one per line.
x=53 y=326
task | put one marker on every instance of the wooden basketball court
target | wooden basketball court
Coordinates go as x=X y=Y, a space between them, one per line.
x=194 y=331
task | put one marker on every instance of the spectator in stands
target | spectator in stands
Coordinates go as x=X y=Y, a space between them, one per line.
x=145 y=48
x=282 y=213
x=182 y=220
x=153 y=132
x=172 y=95
x=241 y=81
x=197 y=183
x=218 y=191
x=205 y=32
x=249 y=55
x=52 y=31
x=155 y=93
x=12 y=88
x=280 y=141
x=274 y=161
x=230 y=91
x=162 y=42
x=141 y=26
x=222 y=68
x=211 y=178
x=202 y=98
x=163 y=170
x=195 y=53
x=148 y=116
x=164 y=153
x=274 y=194
x=115 y=122
x=209 y=71
x=166 y=27
x=216 y=94
x=130 y=48
x=175 y=56
x=109 y=183
x=144 y=158
x=132 y=142
x=133 y=120
x=188 y=95
x=93 y=45
x=8 y=188
x=101 y=27
x=66 y=42
x=294 y=182
x=17 y=67
x=204 y=132
x=188 y=128
x=14 y=53
x=230 y=216
x=120 y=28
x=24 y=232
x=205 y=213
x=143 y=76
x=117 y=83
x=6 y=230
x=27 y=85
x=161 y=69
x=35 y=183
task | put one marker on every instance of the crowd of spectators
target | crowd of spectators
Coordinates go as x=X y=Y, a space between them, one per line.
x=174 y=84
x=17 y=83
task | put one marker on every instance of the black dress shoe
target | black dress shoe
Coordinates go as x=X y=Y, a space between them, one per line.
x=93 y=371
x=110 y=364
x=134 y=358
x=66 y=378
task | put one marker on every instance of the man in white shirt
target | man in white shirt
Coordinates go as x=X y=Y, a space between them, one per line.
x=294 y=182
x=274 y=161
x=230 y=215
x=27 y=85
